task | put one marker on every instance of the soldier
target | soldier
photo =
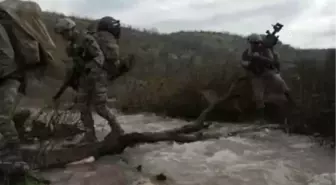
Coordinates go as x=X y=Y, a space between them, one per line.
x=93 y=80
x=263 y=67
x=106 y=31
x=24 y=45
x=107 y=36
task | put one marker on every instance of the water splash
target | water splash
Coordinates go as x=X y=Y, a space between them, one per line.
x=263 y=158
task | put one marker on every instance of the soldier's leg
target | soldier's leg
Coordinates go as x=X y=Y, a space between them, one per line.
x=100 y=104
x=83 y=101
x=283 y=87
x=10 y=156
x=258 y=88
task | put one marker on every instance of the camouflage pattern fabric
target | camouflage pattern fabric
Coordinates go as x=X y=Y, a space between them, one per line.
x=32 y=40
x=8 y=95
x=10 y=156
x=24 y=40
x=110 y=49
x=93 y=85
x=267 y=82
x=7 y=62
x=27 y=15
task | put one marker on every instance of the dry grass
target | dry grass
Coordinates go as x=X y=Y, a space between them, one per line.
x=172 y=70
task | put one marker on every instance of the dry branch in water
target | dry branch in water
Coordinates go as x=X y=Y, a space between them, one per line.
x=113 y=145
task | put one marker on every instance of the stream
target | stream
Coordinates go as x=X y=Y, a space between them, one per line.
x=265 y=157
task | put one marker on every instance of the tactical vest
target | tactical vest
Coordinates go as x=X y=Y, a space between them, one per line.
x=255 y=66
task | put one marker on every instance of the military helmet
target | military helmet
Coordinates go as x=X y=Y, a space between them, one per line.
x=64 y=24
x=109 y=24
x=253 y=38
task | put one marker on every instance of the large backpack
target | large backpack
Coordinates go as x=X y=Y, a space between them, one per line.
x=113 y=64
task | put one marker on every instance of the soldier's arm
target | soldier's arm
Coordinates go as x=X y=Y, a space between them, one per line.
x=92 y=47
x=113 y=53
x=268 y=59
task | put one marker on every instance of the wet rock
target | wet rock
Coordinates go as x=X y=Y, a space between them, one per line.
x=161 y=177
x=139 y=168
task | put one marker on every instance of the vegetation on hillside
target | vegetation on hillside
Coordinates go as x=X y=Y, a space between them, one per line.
x=173 y=69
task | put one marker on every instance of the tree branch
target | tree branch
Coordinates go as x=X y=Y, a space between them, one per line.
x=60 y=156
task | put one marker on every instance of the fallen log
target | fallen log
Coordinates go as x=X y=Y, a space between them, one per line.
x=60 y=156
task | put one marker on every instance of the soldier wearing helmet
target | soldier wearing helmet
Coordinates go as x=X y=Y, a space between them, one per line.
x=25 y=46
x=261 y=64
x=108 y=35
x=93 y=81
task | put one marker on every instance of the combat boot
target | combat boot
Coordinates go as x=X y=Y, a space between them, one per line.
x=116 y=129
x=89 y=137
x=115 y=126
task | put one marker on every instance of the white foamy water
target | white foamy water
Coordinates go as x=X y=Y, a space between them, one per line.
x=266 y=157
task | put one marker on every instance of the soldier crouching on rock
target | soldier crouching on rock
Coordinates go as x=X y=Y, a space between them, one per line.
x=262 y=66
x=92 y=89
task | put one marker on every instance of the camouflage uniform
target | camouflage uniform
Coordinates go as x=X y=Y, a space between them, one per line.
x=20 y=47
x=92 y=84
x=265 y=77
x=110 y=48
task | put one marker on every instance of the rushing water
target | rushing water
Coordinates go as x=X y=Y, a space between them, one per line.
x=266 y=157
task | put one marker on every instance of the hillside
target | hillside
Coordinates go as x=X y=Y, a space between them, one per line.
x=167 y=62
x=185 y=44
x=172 y=70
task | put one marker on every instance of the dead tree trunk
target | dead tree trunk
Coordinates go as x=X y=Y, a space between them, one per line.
x=61 y=156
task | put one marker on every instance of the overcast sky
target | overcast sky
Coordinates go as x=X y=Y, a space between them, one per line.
x=307 y=23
